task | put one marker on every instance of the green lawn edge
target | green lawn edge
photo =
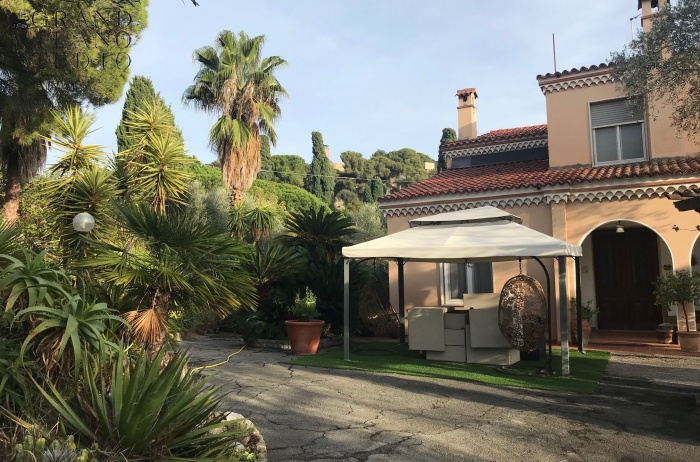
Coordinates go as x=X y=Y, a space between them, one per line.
x=586 y=370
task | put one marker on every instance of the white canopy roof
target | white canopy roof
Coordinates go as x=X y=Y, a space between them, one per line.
x=479 y=234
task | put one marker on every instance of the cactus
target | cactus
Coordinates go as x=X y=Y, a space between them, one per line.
x=37 y=450
x=40 y=445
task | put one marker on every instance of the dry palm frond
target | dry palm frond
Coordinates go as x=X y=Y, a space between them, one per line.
x=148 y=326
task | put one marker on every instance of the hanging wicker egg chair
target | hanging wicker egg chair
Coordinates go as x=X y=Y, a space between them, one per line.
x=522 y=313
x=376 y=312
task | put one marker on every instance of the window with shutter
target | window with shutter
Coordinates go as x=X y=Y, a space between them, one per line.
x=618 y=133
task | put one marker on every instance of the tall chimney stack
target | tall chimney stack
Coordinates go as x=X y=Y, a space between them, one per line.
x=648 y=12
x=466 y=113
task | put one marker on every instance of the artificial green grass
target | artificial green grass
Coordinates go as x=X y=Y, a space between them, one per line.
x=586 y=369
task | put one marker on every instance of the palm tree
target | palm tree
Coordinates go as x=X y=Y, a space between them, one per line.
x=172 y=261
x=237 y=84
x=319 y=231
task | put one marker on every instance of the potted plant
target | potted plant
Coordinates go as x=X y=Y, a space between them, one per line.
x=681 y=287
x=304 y=332
x=587 y=312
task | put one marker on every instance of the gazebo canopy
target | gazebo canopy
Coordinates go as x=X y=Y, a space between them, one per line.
x=479 y=234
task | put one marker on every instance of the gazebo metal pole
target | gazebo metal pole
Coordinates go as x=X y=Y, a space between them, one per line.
x=346 y=309
x=563 y=314
x=549 y=314
x=579 y=311
x=402 y=323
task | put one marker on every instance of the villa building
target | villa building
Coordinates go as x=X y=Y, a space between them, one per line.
x=596 y=175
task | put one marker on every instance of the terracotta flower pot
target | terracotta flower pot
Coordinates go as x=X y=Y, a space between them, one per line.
x=586 y=330
x=690 y=341
x=304 y=336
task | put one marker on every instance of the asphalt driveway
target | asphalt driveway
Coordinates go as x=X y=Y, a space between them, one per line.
x=645 y=410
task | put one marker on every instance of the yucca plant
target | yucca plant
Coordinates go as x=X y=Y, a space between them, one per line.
x=146 y=412
x=153 y=167
x=78 y=321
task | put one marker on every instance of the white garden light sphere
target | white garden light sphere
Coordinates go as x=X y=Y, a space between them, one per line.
x=83 y=222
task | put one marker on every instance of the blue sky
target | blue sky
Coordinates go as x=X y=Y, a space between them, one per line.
x=380 y=74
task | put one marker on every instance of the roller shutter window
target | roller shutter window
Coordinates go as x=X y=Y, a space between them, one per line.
x=618 y=133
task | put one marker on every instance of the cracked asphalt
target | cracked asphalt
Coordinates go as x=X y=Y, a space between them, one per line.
x=646 y=409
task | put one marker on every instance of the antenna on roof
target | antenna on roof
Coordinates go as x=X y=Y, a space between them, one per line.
x=631 y=26
x=554 y=52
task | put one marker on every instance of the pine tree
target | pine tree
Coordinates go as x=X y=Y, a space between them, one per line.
x=448 y=136
x=265 y=172
x=321 y=182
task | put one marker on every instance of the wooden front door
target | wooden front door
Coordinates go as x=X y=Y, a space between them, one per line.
x=626 y=265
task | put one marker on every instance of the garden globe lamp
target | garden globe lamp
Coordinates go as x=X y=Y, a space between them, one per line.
x=83 y=222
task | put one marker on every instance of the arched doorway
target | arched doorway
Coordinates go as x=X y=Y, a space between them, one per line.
x=626 y=257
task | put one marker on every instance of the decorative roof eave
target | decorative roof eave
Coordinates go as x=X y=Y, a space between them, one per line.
x=575 y=78
x=590 y=192
x=490 y=149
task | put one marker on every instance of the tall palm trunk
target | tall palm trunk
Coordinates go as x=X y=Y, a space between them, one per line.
x=161 y=306
x=13 y=185
x=20 y=163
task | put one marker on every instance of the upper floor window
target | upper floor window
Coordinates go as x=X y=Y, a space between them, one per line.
x=461 y=278
x=618 y=133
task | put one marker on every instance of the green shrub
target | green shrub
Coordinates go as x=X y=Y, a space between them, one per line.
x=291 y=198
x=305 y=307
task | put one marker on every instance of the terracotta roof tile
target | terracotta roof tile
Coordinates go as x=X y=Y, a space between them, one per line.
x=500 y=136
x=467 y=91
x=531 y=174
x=575 y=70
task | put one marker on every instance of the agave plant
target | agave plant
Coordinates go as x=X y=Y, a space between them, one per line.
x=79 y=321
x=29 y=282
x=14 y=378
x=147 y=412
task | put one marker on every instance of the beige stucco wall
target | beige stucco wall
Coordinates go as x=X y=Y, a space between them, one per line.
x=574 y=223
x=569 y=127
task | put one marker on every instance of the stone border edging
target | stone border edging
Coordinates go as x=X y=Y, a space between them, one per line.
x=284 y=344
x=260 y=446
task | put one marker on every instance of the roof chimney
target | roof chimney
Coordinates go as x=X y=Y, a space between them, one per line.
x=466 y=113
x=647 y=7
x=327 y=150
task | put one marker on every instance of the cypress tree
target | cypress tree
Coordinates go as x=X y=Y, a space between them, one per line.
x=321 y=182
x=265 y=160
x=377 y=188
x=374 y=190
x=448 y=136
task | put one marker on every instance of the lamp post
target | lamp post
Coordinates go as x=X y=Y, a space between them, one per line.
x=83 y=224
